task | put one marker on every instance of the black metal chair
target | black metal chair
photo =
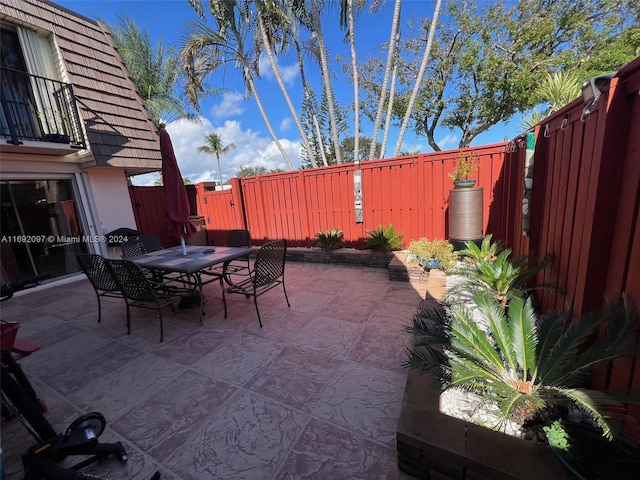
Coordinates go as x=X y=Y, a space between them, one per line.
x=141 y=291
x=267 y=273
x=97 y=270
x=139 y=245
x=240 y=266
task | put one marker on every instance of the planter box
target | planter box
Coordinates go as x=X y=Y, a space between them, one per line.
x=434 y=445
x=342 y=256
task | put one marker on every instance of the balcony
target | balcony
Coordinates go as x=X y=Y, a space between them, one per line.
x=38 y=115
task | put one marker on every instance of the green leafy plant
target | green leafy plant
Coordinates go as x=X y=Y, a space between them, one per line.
x=521 y=363
x=489 y=270
x=464 y=168
x=330 y=240
x=557 y=436
x=383 y=239
x=487 y=250
x=437 y=249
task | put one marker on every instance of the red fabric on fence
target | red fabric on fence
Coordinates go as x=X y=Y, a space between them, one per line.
x=177 y=206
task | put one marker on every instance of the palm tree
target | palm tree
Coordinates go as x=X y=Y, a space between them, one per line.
x=316 y=9
x=155 y=72
x=391 y=60
x=416 y=87
x=206 y=50
x=520 y=363
x=347 y=20
x=392 y=91
x=270 y=18
x=213 y=146
x=557 y=90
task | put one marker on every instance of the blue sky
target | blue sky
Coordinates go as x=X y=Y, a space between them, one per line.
x=237 y=119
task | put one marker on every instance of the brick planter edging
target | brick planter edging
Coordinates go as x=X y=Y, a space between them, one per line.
x=432 y=445
x=342 y=256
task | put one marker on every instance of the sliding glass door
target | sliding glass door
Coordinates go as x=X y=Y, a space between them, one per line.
x=41 y=228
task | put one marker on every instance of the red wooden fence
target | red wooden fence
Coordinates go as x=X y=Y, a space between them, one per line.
x=411 y=193
x=585 y=208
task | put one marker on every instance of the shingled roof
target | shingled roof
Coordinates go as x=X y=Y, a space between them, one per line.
x=118 y=127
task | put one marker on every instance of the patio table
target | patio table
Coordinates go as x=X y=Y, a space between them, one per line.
x=193 y=265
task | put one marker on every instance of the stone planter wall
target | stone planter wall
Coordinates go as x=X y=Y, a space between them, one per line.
x=342 y=256
x=395 y=262
x=432 y=445
x=435 y=446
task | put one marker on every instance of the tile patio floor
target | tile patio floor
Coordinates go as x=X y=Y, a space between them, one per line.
x=316 y=393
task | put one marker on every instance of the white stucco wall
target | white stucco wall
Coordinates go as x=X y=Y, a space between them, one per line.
x=111 y=195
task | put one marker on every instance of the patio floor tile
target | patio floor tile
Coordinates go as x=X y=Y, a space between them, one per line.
x=295 y=377
x=325 y=451
x=171 y=416
x=315 y=393
x=365 y=400
x=247 y=438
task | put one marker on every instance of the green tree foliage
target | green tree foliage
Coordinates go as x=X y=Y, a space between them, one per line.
x=253 y=171
x=489 y=58
x=363 y=147
x=310 y=111
x=155 y=71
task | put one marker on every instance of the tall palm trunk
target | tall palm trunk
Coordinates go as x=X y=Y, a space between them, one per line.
x=356 y=86
x=385 y=79
x=254 y=92
x=276 y=71
x=326 y=77
x=416 y=87
x=387 y=125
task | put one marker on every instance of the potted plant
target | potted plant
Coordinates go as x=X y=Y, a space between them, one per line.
x=436 y=253
x=463 y=171
x=383 y=239
x=330 y=240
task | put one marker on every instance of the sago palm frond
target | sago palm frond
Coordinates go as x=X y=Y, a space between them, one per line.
x=618 y=340
x=495 y=318
x=522 y=329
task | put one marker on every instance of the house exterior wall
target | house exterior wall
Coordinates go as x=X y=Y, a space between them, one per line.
x=120 y=141
x=111 y=196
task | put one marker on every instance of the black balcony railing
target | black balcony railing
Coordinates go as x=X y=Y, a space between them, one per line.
x=38 y=109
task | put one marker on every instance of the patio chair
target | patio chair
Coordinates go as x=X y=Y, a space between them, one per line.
x=139 y=245
x=240 y=266
x=96 y=268
x=141 y=291
x=267 y=273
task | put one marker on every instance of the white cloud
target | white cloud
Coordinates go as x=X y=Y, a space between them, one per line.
x=253 y=149
x=286 y=124
x=231 y=105
x=448 y=141
x=288 y=72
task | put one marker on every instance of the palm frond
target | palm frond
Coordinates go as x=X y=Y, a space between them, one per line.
x=554 y=366
x=522 y=326
x=495 y=317
x=619 y=339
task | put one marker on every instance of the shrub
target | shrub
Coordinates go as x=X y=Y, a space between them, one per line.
x=521 y=363
x=438 y=249
x=464 y=168
x=384 y=239
x=489 y=270
x=331 y=240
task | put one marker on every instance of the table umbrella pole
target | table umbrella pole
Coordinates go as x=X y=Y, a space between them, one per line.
x=183 y=231
x=184 y=247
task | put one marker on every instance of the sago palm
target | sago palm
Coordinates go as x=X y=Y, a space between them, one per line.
x=520 y=363
x=490 y=270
